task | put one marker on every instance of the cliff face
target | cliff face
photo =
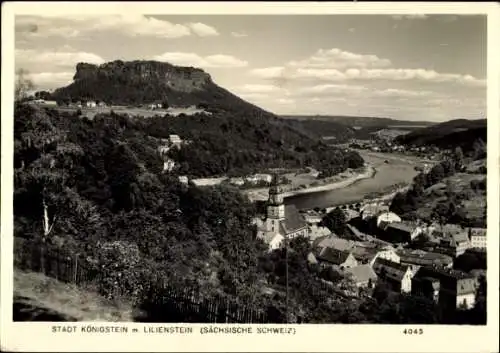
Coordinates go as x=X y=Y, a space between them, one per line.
x=143 y=82
x=183 y=79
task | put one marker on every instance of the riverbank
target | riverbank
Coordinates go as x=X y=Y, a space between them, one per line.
x=393 y=174
x=262 y=194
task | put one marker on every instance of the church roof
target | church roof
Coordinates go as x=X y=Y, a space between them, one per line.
x=293 y=219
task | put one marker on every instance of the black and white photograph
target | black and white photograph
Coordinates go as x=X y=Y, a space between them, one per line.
x=250 y=168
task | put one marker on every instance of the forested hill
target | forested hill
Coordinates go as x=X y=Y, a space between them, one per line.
x=454 y=133
x=94 y=187
x=359 y=121
x=238 y=138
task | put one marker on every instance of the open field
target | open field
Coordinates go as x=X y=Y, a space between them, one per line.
x=147 y=113
x=41 y=298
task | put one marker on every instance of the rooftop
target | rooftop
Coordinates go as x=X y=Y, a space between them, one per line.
x=333 y=256
x=334 y=242
x=443 y=273
x=400 y=226
x=478 y=232
x=293 y=219
x=390 y=269
x=415 y=255
x=362 y=273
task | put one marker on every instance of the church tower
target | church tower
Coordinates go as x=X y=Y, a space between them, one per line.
x=275 y=207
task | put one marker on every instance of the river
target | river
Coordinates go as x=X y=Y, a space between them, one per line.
x=398 y=170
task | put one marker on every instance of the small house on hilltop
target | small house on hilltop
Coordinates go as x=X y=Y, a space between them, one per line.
x=237 y=181
x=50 y=103
x=175 y=140
x=183 y=179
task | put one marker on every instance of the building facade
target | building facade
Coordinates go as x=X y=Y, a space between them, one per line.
x=398 y=276
x=477 y=238
x=457 y=290
x=338 y=259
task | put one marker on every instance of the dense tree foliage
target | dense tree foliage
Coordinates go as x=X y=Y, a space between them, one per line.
x=449 y=208
x=237 y=138
x=95 y=188
x=470 y=260
x=335 y=220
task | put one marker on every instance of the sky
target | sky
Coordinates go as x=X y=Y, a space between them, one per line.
x=410 y=67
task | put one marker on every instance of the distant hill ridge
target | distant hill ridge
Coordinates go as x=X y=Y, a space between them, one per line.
x=453 y=133
x=358 y=121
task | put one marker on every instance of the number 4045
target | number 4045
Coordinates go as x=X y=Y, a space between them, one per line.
x=414 y=331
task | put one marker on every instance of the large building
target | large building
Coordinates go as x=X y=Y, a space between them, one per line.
x=282 y=222
x=478 y=238
x=417 y=258
x=457 y=290
x=455 y=244
x=398 y=276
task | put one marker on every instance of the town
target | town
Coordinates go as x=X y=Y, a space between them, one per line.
x=414 y=257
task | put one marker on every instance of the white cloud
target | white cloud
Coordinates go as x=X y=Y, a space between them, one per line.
x=192 y=59
x=268 y=72
x=239 y=34
x=389 y=74
x=326 y=89
x=203 y=30
x=395 y=92
x=132 y=25
x=32 y=58
x=339 y=59
x=286 y=101
x=257 y=88
x=352 y=30
x=50 y=80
